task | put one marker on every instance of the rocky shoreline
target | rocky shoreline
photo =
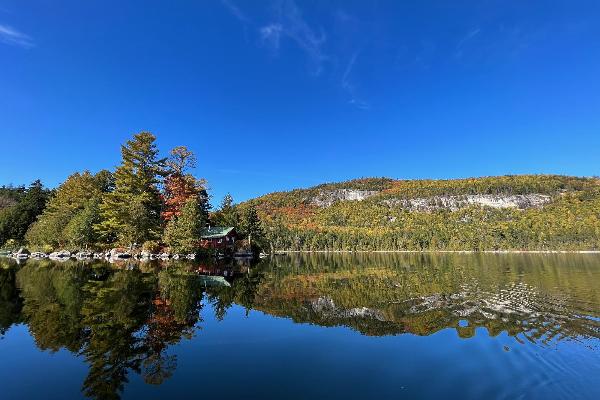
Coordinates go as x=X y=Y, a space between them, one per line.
x=112 y=255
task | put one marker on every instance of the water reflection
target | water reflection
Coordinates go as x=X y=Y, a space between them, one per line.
x=544 y=298
x=125 y=318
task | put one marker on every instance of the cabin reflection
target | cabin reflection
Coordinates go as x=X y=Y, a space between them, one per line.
x=227 y=269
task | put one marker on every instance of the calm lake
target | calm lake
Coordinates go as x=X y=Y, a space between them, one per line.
x=384 y=326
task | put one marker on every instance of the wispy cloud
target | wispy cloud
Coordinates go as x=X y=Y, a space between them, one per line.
x=286 y=24
x=464 y=40
x=290 y=23
x=349 y=87
x=235 y=11
x=11 y=36
x=271 y=34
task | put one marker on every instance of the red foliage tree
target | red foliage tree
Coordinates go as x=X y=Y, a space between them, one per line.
x=180 y=186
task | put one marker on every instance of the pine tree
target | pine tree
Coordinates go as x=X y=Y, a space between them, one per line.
x=227 y=214
x=182 y=232
x=15 y=220
x=252 y=227
x=227 y=203
x=131 y=213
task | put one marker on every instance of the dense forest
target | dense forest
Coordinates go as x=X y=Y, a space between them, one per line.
x=526 y=212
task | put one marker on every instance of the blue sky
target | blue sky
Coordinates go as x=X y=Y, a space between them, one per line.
x=274 y=95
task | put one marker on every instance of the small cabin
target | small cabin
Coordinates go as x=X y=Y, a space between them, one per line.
x=218 y=237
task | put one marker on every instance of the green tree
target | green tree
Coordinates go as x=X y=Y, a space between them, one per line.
x=16 y=219
x=252 y=227
x=182 y=232
x=74 y=204
x=227 y=203
x=80 y=230
x=227 y=214
x=131 y=212
x=114 y=312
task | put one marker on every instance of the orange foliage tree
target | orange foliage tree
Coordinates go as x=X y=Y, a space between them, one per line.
x=180 y=186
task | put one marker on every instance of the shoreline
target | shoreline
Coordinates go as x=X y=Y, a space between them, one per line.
x=283 y=252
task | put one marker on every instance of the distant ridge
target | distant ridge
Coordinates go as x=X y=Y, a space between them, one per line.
x=512 y=212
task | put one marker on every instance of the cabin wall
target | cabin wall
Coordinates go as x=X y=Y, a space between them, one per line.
x=225 y=242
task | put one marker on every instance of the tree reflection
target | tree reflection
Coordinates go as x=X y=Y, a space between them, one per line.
x=114 y=313
x=175 y=313
x=531 y=297
x=52 y=303
x=10 y=301
x=118 y=320
x=126 y=318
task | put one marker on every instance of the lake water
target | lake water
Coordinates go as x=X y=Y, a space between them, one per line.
x=382 y=326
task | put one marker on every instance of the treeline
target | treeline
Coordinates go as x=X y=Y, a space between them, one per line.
x=496 y=185
x=571 y=221
x=148 y=202
x=19 y=208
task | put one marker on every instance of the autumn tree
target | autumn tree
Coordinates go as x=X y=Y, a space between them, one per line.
x=180 y=185
x=131 y=212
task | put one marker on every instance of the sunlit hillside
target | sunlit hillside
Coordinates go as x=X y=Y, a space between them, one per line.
x=525 y=212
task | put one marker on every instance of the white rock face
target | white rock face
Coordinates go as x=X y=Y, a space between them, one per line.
x=326 y=308
x=327 y=197
x=521 y=201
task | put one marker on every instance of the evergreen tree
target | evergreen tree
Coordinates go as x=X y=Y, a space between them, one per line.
x=10 y=195
x=131 y=212
x=227 y=203
x=16 y=219
x=252 y=227
x=227 y=214
x=182 y=232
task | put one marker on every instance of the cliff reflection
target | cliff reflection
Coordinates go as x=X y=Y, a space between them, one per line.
x=542 y=297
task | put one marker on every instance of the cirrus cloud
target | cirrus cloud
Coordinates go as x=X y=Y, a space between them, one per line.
x=11 y=36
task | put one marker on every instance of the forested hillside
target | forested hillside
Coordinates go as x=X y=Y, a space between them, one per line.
x=525 y=212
